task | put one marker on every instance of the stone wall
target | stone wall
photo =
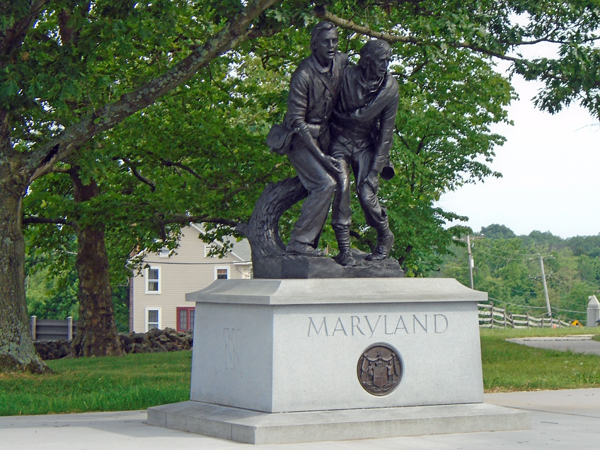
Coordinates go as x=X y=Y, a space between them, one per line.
x=154 y=341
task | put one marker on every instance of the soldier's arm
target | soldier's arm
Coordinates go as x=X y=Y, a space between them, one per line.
x=386 y=128
x=296 y=115
x=298 y=101
x=385 y=135
x=329 y=162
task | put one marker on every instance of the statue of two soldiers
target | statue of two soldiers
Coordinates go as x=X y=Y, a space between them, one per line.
x=340 y=118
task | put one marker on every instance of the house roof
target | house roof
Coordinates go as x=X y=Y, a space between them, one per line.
x=240 y=249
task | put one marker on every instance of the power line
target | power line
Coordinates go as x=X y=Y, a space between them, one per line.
x=517 y=257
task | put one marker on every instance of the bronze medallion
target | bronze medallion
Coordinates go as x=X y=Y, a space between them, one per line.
x=379 y=369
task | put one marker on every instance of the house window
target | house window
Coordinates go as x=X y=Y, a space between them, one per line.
x=164 y=252
x=153 y=280
x=185 y=318
x=152 y=318
x=222 y=273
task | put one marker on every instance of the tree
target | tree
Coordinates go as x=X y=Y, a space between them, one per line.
x=46 y=66
x=72 y=70
x=496 y=231
x=509 y=270
x=450 y=33
x=141 y=187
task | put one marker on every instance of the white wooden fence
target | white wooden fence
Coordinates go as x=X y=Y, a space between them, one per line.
x=492 y=317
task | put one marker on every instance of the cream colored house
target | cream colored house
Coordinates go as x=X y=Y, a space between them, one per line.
x=157 y=294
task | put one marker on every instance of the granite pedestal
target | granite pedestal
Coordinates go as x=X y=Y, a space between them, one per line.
x=275 y=359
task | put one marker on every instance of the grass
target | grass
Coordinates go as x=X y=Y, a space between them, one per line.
x=510 y=333
x=513 y=367
x=131 y=382
x=138 y=381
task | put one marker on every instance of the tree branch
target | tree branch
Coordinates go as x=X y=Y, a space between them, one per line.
x=182 y=219
x=139 y=176
x=31 y=220
x=188 y=169
x=234 y=32
x=391 y=38
x=15 y=35
x=322 y=13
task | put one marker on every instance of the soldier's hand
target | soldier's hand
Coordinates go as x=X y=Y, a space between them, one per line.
x=333 y=164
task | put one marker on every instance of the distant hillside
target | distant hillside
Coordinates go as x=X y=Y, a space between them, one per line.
x=507 y=266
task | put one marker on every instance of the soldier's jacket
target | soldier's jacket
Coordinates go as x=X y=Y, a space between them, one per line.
x=313 y=93
x=368 y=112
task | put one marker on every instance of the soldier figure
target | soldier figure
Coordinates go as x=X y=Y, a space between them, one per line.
x=364 y=124
x=314 y=90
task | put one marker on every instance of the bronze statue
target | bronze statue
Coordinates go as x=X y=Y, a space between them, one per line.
x=314 y=90
x=363 y=125
x=339 y=117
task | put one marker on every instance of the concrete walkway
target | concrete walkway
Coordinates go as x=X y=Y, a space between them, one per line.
x=568 y=419
x=578 y=344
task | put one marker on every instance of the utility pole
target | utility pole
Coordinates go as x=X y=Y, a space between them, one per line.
x=545 y=286
x=471 y=264
x=471 y=261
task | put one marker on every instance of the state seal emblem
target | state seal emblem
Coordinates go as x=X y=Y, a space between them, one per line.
x=379 y=369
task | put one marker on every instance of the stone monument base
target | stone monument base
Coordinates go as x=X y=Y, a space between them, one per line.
x=291 y=266
x=253 y=427
x=292 y=360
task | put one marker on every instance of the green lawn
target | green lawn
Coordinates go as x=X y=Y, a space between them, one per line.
x=139 y=381
x=131 y=382
x=513 y=367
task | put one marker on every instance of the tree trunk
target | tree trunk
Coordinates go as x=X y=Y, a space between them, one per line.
x=96 y=330
x=16 y=346
x=262 y=230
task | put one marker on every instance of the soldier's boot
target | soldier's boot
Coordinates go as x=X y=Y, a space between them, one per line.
x=385 y=240
x=344 y=257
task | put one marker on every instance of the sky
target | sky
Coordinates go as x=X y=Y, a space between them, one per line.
x=551 y=173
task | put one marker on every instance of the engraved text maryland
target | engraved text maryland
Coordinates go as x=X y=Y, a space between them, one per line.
x=376 y=325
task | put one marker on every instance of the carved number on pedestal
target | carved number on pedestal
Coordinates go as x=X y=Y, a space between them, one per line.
x=232 y=337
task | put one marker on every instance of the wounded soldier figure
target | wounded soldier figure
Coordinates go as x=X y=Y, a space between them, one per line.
x=363 y=121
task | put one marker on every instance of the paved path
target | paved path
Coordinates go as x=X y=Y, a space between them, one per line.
x=578 y=344
x=568 y=419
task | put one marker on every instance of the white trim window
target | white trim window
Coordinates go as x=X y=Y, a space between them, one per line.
x=152 y=278
x=153 y=317
x=221 y=272
x=164 y=252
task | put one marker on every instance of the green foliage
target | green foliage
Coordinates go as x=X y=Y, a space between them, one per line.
x=495 y=231
x=509 y=270
x=199 y=151
x=52 y=298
